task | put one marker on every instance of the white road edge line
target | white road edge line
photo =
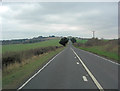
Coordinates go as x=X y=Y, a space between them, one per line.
x=85 y=79
x=38 y=72
x=101 y=57
x=91 y=75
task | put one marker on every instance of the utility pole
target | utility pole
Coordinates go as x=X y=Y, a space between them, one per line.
x=93 y=34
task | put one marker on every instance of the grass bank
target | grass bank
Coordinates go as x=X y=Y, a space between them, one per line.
x=17 y=73
x=105 y=48
x=97 y=50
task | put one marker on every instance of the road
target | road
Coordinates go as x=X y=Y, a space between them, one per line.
x=75 y=69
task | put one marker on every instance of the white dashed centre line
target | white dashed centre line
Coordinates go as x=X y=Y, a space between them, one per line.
x=89 y=72
x=77 y=62
x=85 y=79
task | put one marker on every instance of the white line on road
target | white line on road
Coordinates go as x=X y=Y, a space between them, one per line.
x=91 y=75
x=85 y=79
x=38 y=72
x=77 y=62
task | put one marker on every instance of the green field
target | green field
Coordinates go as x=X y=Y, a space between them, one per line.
x=81 y=41
x=22 y=47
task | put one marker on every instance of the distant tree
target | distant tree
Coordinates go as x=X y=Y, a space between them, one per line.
x=52 y=36
x=63 y=41
x=40 y=36
x=73 y=40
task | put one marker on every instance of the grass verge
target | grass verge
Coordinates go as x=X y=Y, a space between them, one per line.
x=18 y=73
x=97 y=50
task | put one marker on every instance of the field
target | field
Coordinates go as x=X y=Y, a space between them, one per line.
x=105 y=48
x=20 y=52
x=23 y=47
x=81 y=41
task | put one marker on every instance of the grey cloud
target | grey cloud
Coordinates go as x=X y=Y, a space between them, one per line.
x=92 y=16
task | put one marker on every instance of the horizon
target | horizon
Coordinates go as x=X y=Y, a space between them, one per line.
x=56 y=37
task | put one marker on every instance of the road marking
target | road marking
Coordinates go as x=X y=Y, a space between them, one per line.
x=38 y=72
x=91 y=75
x=77 y=62
x=85 y=79
x=75 y=57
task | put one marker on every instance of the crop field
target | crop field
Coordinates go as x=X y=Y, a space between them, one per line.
x=23 y=47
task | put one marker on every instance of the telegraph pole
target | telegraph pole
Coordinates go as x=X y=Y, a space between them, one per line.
x=93 y=34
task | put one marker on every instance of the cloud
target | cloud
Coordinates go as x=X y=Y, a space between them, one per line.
x=26 y=20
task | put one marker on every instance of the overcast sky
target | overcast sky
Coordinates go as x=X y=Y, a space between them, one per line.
x=27 y=20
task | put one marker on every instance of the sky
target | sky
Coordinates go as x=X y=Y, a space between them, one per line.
x=27 y=20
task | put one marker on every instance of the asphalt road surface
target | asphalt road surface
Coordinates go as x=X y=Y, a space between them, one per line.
x=75 y=69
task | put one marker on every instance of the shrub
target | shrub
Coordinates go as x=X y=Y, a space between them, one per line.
x=73 y=40
x=12 y=57
x=64 y=41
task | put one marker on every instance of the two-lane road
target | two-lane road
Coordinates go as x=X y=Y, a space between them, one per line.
x=75 y=69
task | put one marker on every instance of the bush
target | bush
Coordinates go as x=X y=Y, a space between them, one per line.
x=73 y=40
x=64 y=41
x=95 y=42
x=12 y=57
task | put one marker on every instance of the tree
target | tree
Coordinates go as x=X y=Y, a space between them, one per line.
x=63 y=41
x=73 y=40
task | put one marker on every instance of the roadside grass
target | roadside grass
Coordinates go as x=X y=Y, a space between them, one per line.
x=81 y=41
x=102 y=47
x=17 y=73
x=100 y=51
x=23 y=47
